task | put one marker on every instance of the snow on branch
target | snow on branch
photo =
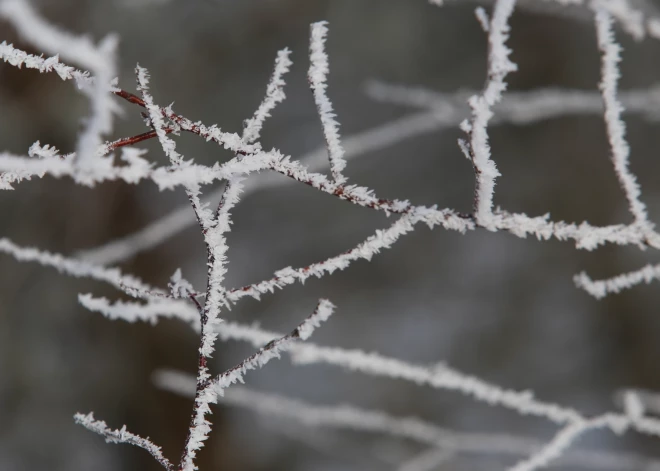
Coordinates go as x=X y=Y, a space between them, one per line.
x=19 y=58
x=151 y=311
x=73 y=267
x=601 y=288
x=499 y=66
x=272 y=349
x=14 y=168
x=122 y=436
x=383 y=239
x=208 y=390
x=48 y=37
x=156 y=117
x=274 y=95
x=520 y=108
x=100 y=60
x=160 y=230
x=516 y=107
x=348 y=417
x=631 y=19
x=557 y=446
x=616 y=129
x=93 y=162
x=441 y=377
x=317 y=76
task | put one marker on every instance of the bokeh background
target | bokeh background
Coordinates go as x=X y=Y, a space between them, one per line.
x=493 y=305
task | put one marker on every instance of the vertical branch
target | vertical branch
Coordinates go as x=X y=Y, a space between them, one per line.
x=274 y=95
x=213 y=229
x=317 y=76
x=216 y=247
x=478 y=149
x=616 y=128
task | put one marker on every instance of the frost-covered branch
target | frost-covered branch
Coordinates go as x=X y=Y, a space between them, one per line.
x=519 y=107
x=208 y=389
x=19 y=58
x=274 y=95
x=317 y=76
x=616 y=129
x=516 y=107
x=99 y=60
x=181 y=218
x=93 y=162
x=348 y=417
x=122 y=436
x=601 y=288
x=150 y=311
x=478 y=149
x=631 y=18
x=73 y=267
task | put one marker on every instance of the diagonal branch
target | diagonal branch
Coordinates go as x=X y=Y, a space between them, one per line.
x=208 y=389
x=122 y=436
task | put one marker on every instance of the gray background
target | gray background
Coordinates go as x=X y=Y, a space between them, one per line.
x=492 y=305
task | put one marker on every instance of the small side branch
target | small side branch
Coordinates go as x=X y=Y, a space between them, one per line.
x=208 y=390
x=616 y=129
x=274 y=95
x=478 y=149
x=601 y=288
x=122 y=436
x=317 y=76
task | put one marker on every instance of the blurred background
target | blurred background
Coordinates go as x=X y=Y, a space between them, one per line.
x=492 y=305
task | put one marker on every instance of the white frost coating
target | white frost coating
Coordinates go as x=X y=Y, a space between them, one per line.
x=323 y=311
x=618 y=423
x=217 y=247
x=208 y=395
x=122 y=436
x=137 y=169
x=179 y=286
x=50 y=38
x=99 y=60
x=632 y=20
x=482 y=18
x=586 y=237
x=181 y=218
x=19 y=58
x=348 y=417
x=73 y=267
x=516 y=107
x=200 y=428
x=156 y=117
x=273 y=348
x=274 y=95
x=378 y=365
x=16 y=168
x=381 y=240
x=556 y=447
x=317 y=76
x=441 y=377
x=499 y=66
x=616 y=129
x=519 y=107
x=150 y=311
x=601 y=288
